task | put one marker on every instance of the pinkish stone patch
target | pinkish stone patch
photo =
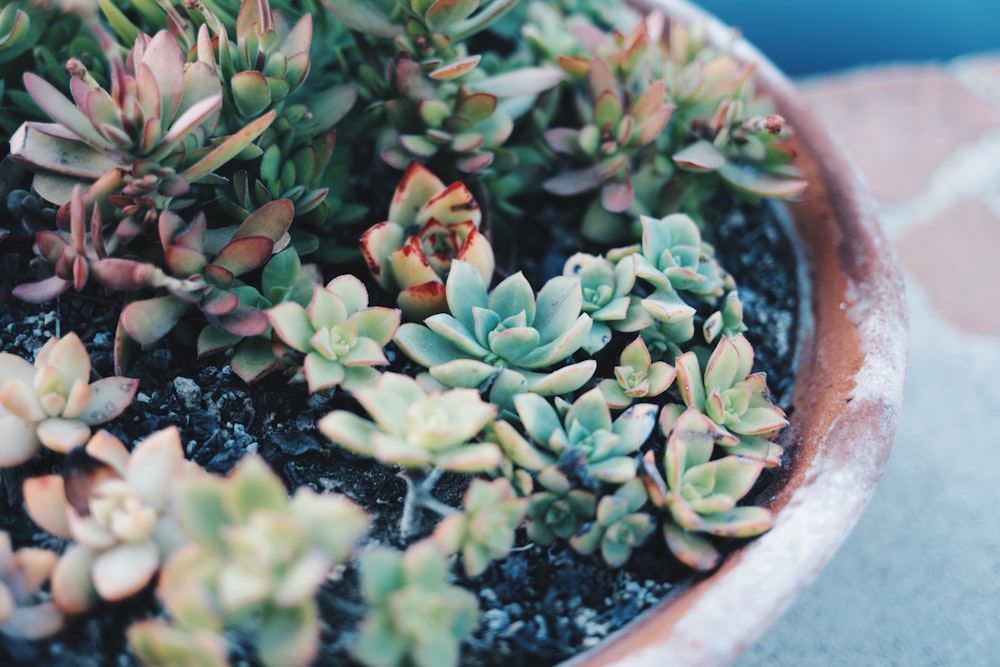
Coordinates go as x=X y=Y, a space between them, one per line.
x=900 y=121
x=956 y=259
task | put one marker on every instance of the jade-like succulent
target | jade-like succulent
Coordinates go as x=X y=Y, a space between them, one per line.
x=416 y=264
x=636 y=376
x=117 y=507
x=14 y=30
x=268 y=61
x=417 y=428
x=727 y=392
x=619 y=526
x=52 y=402
x=559 y=510
x=255 y=558
x=69 y=254
x=507 y=337
x=148 y=131
x=416 y=618
x=340 y=336
x=699 y=494
x=582 y=434
x=615 y=130
x=484 y=530
x=22 y=574
x=202 y=268
x=430 y=120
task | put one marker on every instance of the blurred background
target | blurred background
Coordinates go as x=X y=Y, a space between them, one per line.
x=804 y=37
x=912 y=89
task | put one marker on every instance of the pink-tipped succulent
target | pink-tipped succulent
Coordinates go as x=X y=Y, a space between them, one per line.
x=340 y=336
x=617 y=128
x=22 y=574
x=636 y=376
x=202 y=269
x=416 y=266
x=151 y=129
x=69 y=253
x=117 y=508
x=698 y=491
x=53 y=402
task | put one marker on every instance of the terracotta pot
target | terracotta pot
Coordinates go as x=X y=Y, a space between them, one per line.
x=847 y=401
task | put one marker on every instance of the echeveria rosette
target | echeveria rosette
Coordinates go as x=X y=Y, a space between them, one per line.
x=699 y=494
x=507 y=336
x=557 y=510
x=341 y=337
x=255 y=559
x=738 y=401
x=619 y=526
x=23 y=614
x=673 y=256
x=416 y=617
x=607 y=297
x=415 y=267
x=583 y=433
x=636 y=376
x=117 y=508
x=417 y=428
x=52 y=402
x=485 y=528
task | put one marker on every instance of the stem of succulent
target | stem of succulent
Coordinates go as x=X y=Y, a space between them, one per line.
x=419 y=484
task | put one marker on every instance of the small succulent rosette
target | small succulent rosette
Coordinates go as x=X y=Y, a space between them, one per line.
x=52 y=402
x=429 y=226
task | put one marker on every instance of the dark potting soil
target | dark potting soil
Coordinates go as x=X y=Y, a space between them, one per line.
x=539 y=605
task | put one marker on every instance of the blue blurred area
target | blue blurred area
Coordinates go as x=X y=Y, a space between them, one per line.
x=809 y=36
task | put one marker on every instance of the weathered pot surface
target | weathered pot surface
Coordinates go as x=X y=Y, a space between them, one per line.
x=847 y=401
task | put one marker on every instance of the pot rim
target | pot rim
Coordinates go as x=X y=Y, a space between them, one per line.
x=852 y=349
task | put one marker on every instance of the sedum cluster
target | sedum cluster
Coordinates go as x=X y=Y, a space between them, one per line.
x=225 y=170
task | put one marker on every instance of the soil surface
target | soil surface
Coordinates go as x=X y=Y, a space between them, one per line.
x=539 y=605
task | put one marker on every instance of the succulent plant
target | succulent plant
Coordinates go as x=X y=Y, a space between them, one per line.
x=559 y=510
x=614 y=131
x=727 y=321
x=149 y=131
x=484 y=530
x=416 y=616
x=699 y=494
x=507 y=337
x=447 y=229
x=255 y=558
x=118 y=509
x=340 y=336
x=283 y=278
x=268 y=61
x=417 y=428
x=202 y=268
x=727 y=392
x=619 y=526
x=607 y=296
x=580 y=435
x=637 y=376
x=69 y=254
x=467 y=127
x=52 y=402
x=22 y=574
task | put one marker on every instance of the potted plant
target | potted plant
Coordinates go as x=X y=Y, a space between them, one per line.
x=533 y=353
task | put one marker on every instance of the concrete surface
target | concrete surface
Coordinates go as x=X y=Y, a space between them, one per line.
x=918 y=581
